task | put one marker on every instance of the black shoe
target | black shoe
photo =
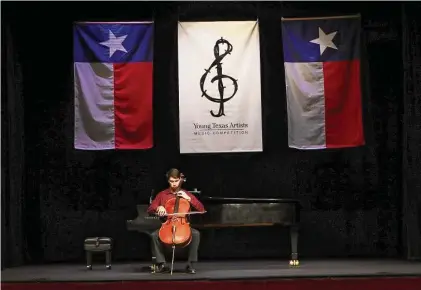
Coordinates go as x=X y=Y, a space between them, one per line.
x=161 y=268
x=190 y=269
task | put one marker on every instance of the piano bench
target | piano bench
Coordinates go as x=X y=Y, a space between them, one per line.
x=98 y=245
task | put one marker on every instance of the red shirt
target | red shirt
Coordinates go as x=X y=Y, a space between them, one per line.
x=166 y=194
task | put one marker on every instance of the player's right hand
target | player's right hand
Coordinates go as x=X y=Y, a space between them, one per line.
x=160 y=211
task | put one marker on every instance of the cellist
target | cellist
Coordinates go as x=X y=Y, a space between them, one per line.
x=157 y=207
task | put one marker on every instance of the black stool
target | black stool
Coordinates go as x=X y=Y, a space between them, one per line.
x=98 y=244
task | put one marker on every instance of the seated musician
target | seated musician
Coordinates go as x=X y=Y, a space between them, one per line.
x=157 y=207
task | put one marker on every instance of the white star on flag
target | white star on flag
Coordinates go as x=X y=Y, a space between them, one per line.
x=114 y=43
x=325 y=40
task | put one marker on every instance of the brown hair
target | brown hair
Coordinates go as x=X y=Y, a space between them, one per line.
x=174 y=173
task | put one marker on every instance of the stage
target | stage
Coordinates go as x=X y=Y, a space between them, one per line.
x=244 y=275
x=227 y=270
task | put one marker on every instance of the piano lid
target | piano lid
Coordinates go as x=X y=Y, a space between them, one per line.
x=232 y=211
x=226 y=212
x=241 y=200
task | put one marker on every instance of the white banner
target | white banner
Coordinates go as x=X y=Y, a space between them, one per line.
x=219 y=87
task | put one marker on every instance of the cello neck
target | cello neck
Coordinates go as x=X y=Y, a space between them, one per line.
x=182 y=180
x=177 y=201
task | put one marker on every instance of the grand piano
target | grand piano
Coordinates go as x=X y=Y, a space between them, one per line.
x=234 y=212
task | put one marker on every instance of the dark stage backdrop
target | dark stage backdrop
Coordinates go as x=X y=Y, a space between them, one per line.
x=351 y=198
x=412 y=135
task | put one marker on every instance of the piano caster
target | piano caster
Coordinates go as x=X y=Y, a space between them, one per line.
x=89 y=267
x=294 y=263
x=108 y=267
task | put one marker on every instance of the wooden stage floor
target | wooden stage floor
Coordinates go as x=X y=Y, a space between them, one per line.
x=215 y=270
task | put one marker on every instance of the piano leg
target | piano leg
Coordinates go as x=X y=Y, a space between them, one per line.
x=89 y=260
x=294 y=246
x=108 y=260
x=152 y=267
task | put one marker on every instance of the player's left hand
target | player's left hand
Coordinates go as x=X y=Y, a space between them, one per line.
x=183 y=195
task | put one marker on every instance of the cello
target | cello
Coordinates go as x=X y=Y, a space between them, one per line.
x=176 y=230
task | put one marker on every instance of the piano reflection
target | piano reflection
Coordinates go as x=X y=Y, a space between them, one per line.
x=234 y=212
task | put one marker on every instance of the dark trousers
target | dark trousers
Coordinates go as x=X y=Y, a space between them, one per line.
x=158 y=248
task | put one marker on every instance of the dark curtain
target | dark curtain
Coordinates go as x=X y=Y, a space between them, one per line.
x=412 y=130
x=13 y=240
x=351 y=198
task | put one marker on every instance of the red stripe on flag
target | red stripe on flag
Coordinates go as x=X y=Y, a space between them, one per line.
x=133 y=105
x=343 y=112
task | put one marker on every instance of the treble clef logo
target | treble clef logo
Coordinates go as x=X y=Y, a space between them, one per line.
x=219 y=77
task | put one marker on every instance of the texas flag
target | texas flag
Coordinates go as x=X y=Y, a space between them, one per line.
x=322 y=75
x=113 y=65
